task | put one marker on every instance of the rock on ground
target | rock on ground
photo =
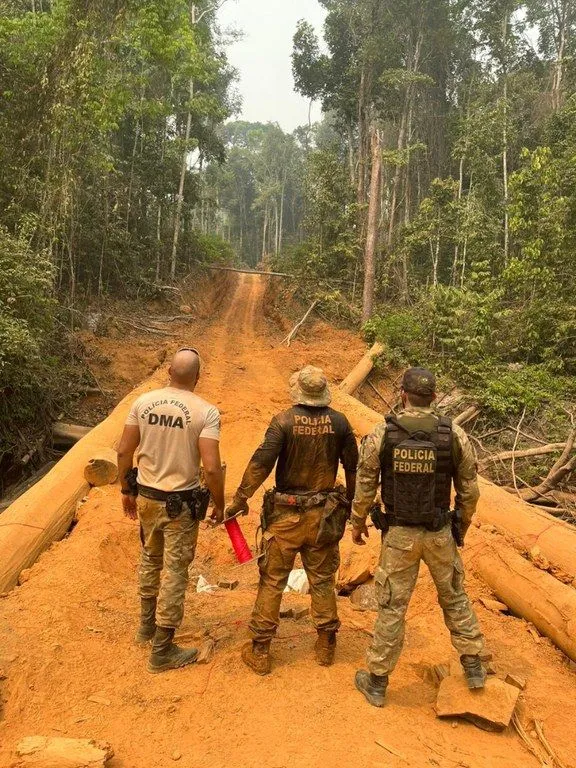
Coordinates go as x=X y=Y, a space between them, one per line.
x=48 y=752
x=490 y=709
x=357 y=565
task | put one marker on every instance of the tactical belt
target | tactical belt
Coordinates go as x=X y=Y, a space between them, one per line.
x=301 y=501
x=188 y=496
x=436 y=524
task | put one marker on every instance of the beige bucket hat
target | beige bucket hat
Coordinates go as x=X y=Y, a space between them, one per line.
x=310 y=387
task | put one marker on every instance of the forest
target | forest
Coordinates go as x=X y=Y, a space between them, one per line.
x=433 y=206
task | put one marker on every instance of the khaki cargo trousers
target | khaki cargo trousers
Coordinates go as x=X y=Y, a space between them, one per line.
x=402 y=550
x=288 y=534
x=168 y=548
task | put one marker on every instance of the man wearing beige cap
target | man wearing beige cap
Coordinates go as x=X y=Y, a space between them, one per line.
x=417 y=455
x=304 y=514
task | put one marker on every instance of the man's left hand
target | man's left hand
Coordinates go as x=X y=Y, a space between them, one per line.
x=237 y=506
x=129 y=506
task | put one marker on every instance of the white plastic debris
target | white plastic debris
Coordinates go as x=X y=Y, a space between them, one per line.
x=203 y=586
x=298 y=582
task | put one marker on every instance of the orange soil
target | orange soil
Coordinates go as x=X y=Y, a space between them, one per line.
x=66 y=634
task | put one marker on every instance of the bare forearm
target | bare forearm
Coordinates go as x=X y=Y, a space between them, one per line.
x=215 y=483
x=125 y=464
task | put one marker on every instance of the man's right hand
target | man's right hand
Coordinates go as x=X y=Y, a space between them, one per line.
x=359 y=530
x=237 y=506
x=129 y=506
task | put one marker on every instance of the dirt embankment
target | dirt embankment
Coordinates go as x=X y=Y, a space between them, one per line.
x=66 y=634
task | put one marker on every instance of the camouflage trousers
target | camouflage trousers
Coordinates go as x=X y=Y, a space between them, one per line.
x=168 y=548
x=402 y=550
x=288 y=534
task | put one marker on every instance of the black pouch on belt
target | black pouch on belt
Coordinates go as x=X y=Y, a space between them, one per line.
x=267 y=508
x=174 y=505
x=199 y=504
x=333 y=523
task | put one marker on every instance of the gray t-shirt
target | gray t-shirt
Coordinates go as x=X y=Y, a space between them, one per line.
x=171 y=421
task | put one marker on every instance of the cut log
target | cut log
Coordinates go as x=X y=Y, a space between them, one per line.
x=530 y=593
x=56 y=752
x=525 y=524
x=67 y=434
x=360 y=372
x=102 y=468
x=44 y=513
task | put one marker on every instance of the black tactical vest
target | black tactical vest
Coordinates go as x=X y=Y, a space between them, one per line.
x=417 y=468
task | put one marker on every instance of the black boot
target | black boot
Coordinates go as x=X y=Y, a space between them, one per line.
x=474 y=672
x=147 y=626
x=372 y=686
x=166 y=655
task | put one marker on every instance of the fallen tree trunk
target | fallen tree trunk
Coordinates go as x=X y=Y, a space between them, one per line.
x=102 y=469
x=360 y=372
x=523 y=454
x=523 y=523
x=44 y=513
x=530 y=593
x=248 y=271
x=68 y=434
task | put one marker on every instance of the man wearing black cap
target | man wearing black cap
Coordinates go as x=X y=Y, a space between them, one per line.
x=417 y=455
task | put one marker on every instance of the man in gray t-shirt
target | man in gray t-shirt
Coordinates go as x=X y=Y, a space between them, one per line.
x=169 y=432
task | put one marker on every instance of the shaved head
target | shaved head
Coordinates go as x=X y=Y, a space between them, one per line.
x=185 y=368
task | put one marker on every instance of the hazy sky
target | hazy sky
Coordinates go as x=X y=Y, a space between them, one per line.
x=263 y=57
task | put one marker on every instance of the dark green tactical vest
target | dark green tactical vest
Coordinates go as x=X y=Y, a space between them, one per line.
x=417 y=467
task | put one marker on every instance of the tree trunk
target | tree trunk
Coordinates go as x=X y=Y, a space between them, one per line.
x=372 y=227
x=505 y=144
x=530 y=593
x=361 y=371
x=183 y=169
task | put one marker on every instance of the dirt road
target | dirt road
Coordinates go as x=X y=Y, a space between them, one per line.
x=66 y=634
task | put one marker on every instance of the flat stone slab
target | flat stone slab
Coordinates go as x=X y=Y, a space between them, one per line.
x=364 y=597
x=490 y=709
x=49 y=752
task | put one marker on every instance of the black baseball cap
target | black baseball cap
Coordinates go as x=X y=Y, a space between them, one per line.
x=419 y=381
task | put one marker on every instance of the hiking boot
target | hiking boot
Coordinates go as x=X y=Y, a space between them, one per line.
x=166 y=654
x=325 y=648
x=372 y=686
x=147 y=628
x=474 y=672
x=256 y=655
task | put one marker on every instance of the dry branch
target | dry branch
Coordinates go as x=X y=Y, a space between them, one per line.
x=294 y=330
x=539 y=451
x=559 y=472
